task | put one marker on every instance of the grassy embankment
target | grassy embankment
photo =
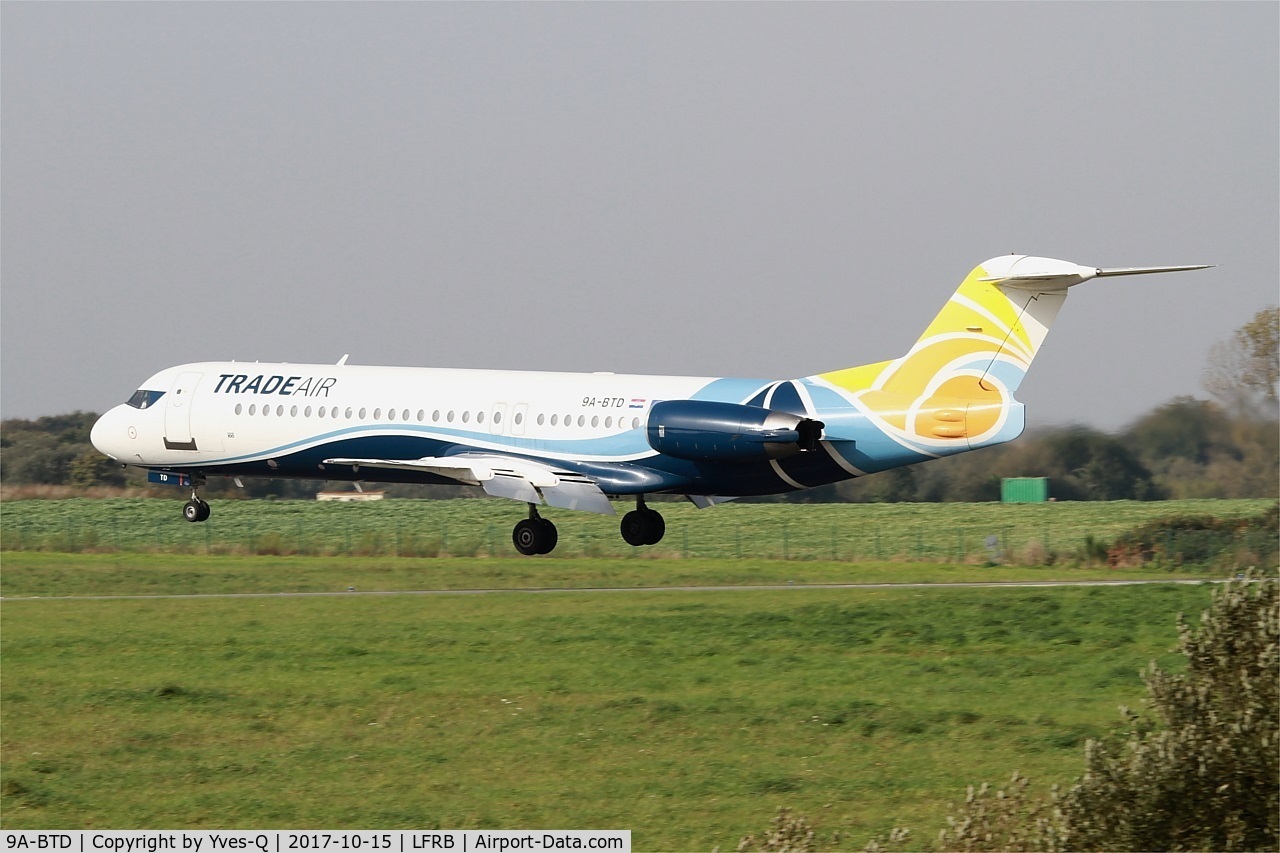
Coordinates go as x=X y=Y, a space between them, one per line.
x=747 y=537
x=1028 y=534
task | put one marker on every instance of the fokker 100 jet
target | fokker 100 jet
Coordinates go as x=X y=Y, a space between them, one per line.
x=576 y=440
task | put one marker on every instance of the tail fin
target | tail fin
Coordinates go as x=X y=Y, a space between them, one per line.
x=959 y=378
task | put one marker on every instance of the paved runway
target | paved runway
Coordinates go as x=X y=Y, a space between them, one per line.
x=596 y=590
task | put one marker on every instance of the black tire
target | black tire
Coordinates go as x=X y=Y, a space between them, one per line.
x=657 y=526
x=553 y=536
x=635 y=528
x=530 y=537
x=191 y=511
x=204 y=510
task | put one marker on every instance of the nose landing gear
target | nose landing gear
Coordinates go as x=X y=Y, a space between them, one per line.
x=196 y=509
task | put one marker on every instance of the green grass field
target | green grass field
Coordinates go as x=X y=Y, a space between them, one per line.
x=1030 y=534
x=687 y=717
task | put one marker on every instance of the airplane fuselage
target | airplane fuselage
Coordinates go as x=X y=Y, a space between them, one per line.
x=285 y=420
x=576 y=440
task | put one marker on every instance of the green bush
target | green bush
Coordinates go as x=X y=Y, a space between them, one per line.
x=1205 y=773
x=1195 y=539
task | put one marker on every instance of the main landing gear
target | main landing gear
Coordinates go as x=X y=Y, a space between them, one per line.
x=537 y=535
x=195 y=509
x=643 y=526
x=534 y=535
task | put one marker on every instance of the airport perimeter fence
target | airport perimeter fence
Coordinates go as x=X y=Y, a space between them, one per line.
x=710 y=536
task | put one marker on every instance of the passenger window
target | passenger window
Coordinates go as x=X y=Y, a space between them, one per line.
x=306 y=412
x=238 y=408
x=293 y=411
x=362 y=411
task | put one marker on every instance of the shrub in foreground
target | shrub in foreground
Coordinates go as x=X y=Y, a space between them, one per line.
x=1205 y=773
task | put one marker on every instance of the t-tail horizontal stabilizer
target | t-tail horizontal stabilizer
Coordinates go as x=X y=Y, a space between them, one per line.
x=1144 y=270
x=1046 y=274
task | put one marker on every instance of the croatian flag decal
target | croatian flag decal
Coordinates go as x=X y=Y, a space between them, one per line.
x=636 y=403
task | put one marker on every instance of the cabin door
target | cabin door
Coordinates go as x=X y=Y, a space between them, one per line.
x=177 y=412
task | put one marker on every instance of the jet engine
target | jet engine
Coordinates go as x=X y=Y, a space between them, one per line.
x=728 y=432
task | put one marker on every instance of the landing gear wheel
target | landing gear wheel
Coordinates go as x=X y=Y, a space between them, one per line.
x=635 y=527
x=553 y=536
x=195 y=510
x=642 y=527
x=657 y=526
x=534 y=536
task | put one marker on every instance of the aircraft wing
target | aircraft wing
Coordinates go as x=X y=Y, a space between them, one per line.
x=504 y=477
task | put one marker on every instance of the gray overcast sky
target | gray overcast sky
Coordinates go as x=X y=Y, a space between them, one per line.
x=761 y=189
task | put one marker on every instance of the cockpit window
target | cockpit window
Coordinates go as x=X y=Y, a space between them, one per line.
x=143 y=399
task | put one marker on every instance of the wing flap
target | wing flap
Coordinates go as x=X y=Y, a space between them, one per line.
x=577 y=492
x=503 y=477
x=707 y=501
x=510 y=485
x=467 y=474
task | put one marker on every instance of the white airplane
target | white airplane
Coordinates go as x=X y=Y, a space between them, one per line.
x=575 y=440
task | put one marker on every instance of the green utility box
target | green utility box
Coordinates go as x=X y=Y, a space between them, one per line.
x=1024 y=490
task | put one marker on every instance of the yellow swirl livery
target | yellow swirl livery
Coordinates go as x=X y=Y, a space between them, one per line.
x=584 y=440
x=955 y=387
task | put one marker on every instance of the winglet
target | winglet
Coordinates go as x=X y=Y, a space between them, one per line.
x=344 y=358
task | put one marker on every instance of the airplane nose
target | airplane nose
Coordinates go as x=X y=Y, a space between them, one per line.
x=106 y=434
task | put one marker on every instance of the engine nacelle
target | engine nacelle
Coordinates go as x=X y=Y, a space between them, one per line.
x=728 y=432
